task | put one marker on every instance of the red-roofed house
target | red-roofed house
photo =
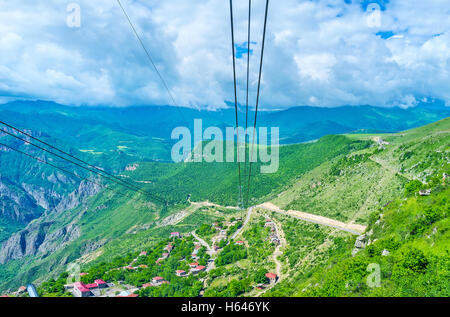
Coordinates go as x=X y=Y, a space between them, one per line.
x=157 y=280
x=198 y=269
x=21 y=289
x=272 y=277
x=168 y=247
x=147 y=285
x=143 y=253
x=181 y=273
x=175 y=235
x=101 y=283
x=83 y=274
x=194 y=264
x=239 y=242
x=91 y=285
x=81 y=290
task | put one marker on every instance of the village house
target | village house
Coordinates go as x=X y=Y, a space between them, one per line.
x=147 y=285
x=157 y=280
x=81 y=290
x=165 y=255
x=169 y=248
x=143 y=253
x=198 y=269
x=129 y=267
x=101 y=283
x=91 y=286
x=272 y=277
x=194 y=256
x=175 y=235
x=21 y=290
x=239 y=242
x=143 y=266
x=425 y=192
x=181 y=273
x=194 y=264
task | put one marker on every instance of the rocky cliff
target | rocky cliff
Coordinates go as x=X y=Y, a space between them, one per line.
x=45 y=235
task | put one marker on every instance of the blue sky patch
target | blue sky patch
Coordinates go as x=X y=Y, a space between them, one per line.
x=385 y=34
x=241 y=49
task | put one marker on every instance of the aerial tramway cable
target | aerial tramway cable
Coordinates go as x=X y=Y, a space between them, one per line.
x=65 y=171
x=236 y=102
x=148 y=54
x=88 y=169
x=72 y=156
x=248 y=76
x=257 y=101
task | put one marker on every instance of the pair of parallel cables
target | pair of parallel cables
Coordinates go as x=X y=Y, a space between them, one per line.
x=247 y=92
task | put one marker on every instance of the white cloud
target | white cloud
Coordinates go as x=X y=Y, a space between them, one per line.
x=320 y=53
x=316 y=66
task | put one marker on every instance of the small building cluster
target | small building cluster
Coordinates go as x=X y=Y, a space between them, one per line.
x=85 y=290
x=197 y=247
x=273 y=238
x=381 y=143
x=168 y=248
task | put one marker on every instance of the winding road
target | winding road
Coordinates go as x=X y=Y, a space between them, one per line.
x=348 y=227
x=247 y=219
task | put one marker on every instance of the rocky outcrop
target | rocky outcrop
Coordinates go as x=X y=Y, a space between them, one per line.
x=360 y=244
x=15 y=204
x=44 y=236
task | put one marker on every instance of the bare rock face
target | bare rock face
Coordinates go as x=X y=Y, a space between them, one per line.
x=44 y=237
x=15 y=204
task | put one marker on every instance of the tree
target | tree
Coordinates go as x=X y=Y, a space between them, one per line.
x=413 y=187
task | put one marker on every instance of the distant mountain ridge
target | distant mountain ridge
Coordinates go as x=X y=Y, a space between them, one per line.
x=297 y=124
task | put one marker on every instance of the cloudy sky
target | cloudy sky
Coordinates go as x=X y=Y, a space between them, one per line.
x=318 y=52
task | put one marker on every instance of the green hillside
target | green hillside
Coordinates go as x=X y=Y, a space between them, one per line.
x=349 y=178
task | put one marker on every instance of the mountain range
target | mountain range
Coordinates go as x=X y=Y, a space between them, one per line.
x=330 y=165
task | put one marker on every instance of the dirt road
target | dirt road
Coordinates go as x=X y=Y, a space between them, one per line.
x=210 y=250
x=247 y=219
x=348 y=227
